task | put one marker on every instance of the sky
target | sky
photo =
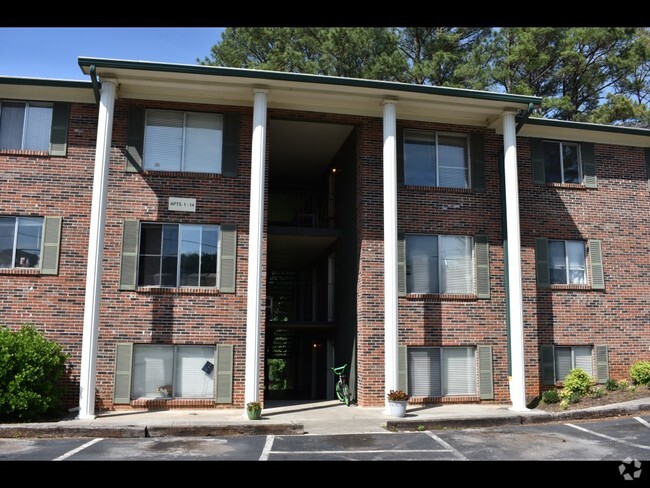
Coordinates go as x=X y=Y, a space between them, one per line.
x=52 y=52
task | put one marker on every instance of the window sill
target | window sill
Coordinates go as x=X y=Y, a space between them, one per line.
x=180 y=174
x=436 y=297
x=437 y=189
x=20 y=271
x=570 y=287
x=570 y=186
x=154 y=290
x=23 y=152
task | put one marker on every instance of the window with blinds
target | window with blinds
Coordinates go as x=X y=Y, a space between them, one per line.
x=439 y=264
x=446 y=371
x=25 y=125
x=20 y=242
x=567 y=262
x=568 y=358
x=433 y=159
x=172 y=371
x=183 y=141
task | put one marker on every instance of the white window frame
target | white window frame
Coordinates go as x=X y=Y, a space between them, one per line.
x=567 y=271
x=178 y=255
x=437 y=165
x=26 y=116
x=15 y=243
x=443 y=370
x=573 y=359
x=182 y=162
x=579 y=153
x=174 y=348
x=438 y=238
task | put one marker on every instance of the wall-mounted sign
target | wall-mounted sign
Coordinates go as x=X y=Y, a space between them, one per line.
x=182 y=204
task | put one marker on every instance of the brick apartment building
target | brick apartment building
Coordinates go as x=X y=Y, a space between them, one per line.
x=203 y=237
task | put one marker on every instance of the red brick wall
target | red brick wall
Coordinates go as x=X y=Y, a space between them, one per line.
x=53 y=186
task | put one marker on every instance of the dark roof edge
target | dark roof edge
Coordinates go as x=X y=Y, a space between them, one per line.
x=305 y=78
x=567 y=124
x=15 y=80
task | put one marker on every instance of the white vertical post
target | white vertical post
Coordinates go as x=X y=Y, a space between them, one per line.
x=255 y=235
x=88 y=366
x=515 y=293
x=390 y=250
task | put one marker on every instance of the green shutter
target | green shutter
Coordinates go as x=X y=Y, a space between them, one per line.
x=129 y=260
x=541 y=262
x=602 y=364
x=230 y=154
x=228 y=258
x=399 y=142
x=482 y=253
x=588 y=155
x=537 y=160
x=135 y=139
x=485 y=380
x=596 y=265
x=547 y=355
x=402 y=368
x=122 y=379
x=223 y=378
x=647 y=164
x=401 y=265
x=51 y=245
x=59 y=133
x=477 y=154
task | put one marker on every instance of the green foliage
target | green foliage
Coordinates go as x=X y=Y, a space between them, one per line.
x=551 y=396
x=397 y=396
x=640 y=373
x=623 y=385
x=31 y=368
x=564 y=404
x=598 y=392
x=277 y=374
x=611 y=385
x=577 y=381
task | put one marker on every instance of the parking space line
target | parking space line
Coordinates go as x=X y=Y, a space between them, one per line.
x=604 y=436
x=356 y=451
x=446 y=445
x=267 y=447
x=80 y=448
x=647 y=424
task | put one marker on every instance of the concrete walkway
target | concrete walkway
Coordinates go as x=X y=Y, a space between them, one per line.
x=294 y=418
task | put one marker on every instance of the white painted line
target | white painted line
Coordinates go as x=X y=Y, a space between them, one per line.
x=446 y=445
x=647 y=424
x=267 y=448
x=604 y=436
x=370 y=451
x=80 y=448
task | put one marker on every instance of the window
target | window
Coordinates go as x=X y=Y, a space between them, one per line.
x=436 y=159
x=441 y=371
x=568 y=358
x=439 y=264
x=562 y=162
x=20 y=242
x=173 y=371
x=566 y=261
x=25 y=125
x=183 y=141
x=175 y=255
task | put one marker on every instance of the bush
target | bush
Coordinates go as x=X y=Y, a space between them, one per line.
x=640 y=373
x=31 y=368
x=551 y=396
x=623 y=385
x=577 y=381
x=598 y=392
x=611 y=385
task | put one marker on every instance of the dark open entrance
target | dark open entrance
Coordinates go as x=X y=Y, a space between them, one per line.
x=311 y=272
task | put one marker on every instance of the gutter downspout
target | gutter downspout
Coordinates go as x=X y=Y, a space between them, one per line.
x=522 y=119
x=96 y=84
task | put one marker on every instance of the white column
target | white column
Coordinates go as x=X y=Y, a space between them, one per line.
x=515 y=297
x=96 y=252
x=390 y=250
x=255 y=235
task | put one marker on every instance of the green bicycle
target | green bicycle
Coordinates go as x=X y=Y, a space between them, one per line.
x=342 y=388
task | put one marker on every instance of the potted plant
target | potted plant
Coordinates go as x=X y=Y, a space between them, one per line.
x=254 y=410
x=397 y=401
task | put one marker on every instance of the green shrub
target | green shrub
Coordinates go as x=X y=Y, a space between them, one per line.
x=551 y=396
x=31 y=368
x=598 y=392
x=640 y=373
x=611 y=385
x=564 y=404
x=575 y=397
x=623 y=385
x=577 y=381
